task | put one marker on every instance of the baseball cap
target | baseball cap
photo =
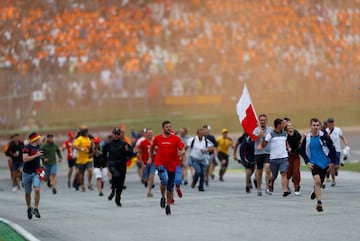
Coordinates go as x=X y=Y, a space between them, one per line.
x=330 y=119
x=96 y=139
x=224 y=130
x=116 y=131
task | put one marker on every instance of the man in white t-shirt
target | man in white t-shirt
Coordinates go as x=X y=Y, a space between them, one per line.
x=199 y=147
x=277 y=139
x=336 y=135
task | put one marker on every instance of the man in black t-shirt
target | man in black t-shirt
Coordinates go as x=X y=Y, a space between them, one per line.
x=14 y=151
x=31 y=173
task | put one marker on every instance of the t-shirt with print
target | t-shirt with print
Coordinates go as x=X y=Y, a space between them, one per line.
x=167 y=151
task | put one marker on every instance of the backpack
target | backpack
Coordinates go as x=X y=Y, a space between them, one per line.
x=193 y=141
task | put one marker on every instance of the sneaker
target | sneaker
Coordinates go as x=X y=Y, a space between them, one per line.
x=297 y=193
x=168 y=210
x=285 y=194
x=333 y=184
x=247 y=189
x=54 y=191
x=162 y=202
x=319 y=208
x=49 y=183
x=328 y=180
x=201 y=189
x=336 y=173
x=323 y=186
x=36 y=213
x=149 y=194
x=312 y=195
x=267 y=191
x=259 y=193
x=14 y=189
x=179 y=192
x=185 y=182
x=110 y=197
x=29 y=213
x=101 y=194
x=193 y=184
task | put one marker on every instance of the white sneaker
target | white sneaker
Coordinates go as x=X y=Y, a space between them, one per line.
x=267 y=191
x=14 y=189
x=297 y=193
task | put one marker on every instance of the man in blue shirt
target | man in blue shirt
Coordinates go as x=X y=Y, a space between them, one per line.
x=317 y=150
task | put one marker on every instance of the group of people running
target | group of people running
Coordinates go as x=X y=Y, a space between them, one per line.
x=278 y=150
x=172 y=155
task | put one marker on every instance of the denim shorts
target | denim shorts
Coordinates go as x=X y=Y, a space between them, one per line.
x=149 y=169
x=278 y=165
x=50 y=169
x=16 y=166
x=30 y=180
x=178 y=176
x=166 y=178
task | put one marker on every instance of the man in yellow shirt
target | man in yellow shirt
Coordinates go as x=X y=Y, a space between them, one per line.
x=82 y=144
x=224 y=143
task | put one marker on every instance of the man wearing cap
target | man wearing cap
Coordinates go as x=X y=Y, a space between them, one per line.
x=336 y=135
x=83 y=162
x=30 y=176
x=50 y=150
x=224 y=143
x=118 y=152
x=68 y=146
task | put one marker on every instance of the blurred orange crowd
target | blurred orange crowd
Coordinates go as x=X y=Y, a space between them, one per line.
x=195 y=44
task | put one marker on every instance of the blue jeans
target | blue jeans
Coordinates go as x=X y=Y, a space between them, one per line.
x=200 y=167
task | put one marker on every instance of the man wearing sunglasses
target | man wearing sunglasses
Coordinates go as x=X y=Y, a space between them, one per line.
x=118 y=152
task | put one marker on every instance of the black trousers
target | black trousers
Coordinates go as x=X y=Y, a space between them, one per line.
x=118 y=173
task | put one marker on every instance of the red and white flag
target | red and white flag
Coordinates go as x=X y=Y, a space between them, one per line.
x=246 y=113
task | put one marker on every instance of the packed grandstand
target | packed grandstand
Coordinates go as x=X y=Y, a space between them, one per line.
x=102 y=48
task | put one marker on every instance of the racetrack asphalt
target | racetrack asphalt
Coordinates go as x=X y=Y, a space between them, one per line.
x=223 y=212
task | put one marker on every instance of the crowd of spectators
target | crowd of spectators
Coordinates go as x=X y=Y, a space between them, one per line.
x=108 y=48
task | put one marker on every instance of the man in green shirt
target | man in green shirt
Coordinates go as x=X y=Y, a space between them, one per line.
x=50 y=150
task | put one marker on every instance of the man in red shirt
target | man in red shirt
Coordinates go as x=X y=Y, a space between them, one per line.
x=143 y=154
x=168 y=148
x=68 y=146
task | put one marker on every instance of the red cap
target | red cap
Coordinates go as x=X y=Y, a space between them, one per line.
x=96 y=139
